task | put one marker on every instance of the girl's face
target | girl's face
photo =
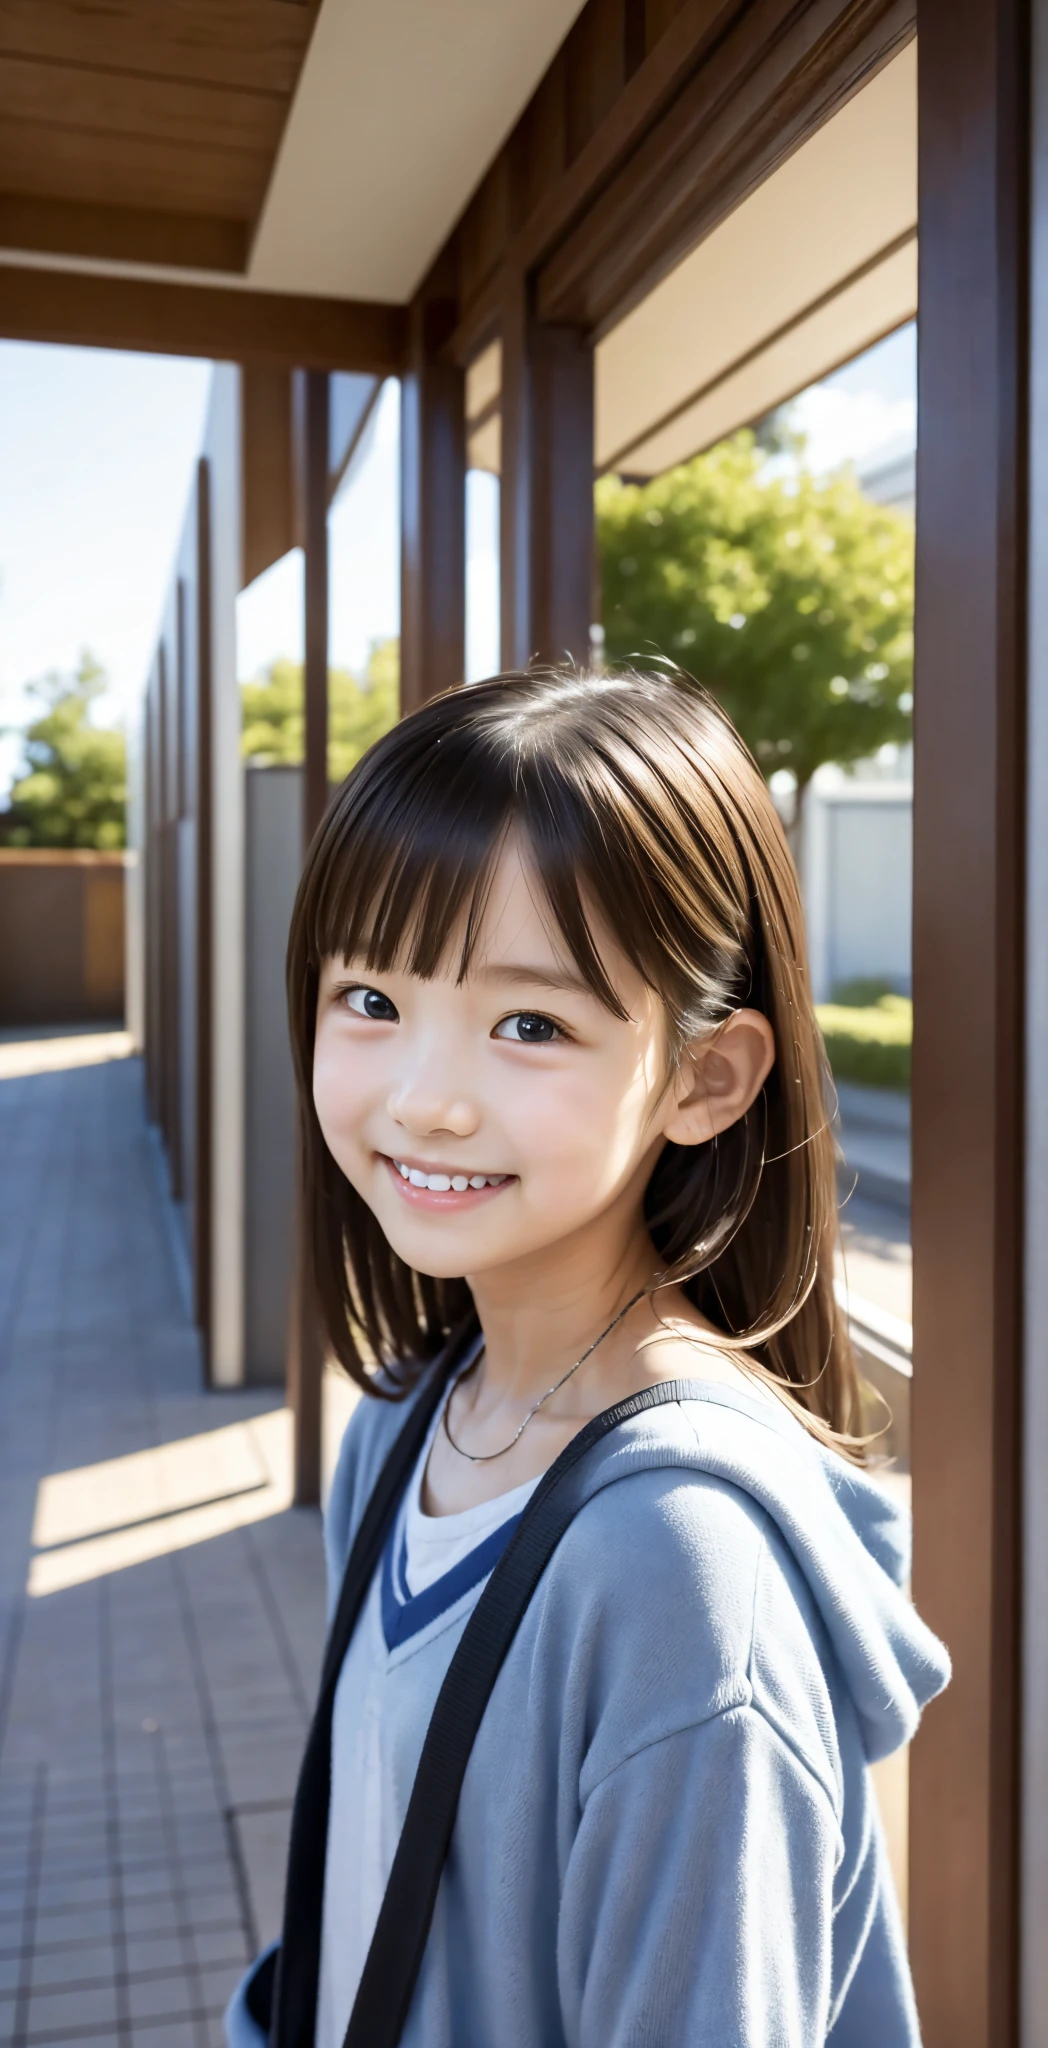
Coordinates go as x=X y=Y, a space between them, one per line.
x=487 y=1121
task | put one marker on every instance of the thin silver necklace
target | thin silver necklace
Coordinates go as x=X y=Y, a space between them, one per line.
x=485 y=1457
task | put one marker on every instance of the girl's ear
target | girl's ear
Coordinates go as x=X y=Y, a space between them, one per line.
x=719 y=1078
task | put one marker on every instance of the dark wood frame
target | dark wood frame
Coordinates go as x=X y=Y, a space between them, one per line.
x=968 y=1110
x=432 y=500
x=653 y=121
x=273 y=329
x=546 y=505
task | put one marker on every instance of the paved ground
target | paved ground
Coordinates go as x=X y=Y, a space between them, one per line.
x=161 y=1606
x=875 y=1135
x=877 y=1260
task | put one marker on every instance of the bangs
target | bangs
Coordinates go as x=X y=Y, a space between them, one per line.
x=622 y=819
x=408 y=880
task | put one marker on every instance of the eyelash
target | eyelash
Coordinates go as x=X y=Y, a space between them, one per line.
x=364 y=989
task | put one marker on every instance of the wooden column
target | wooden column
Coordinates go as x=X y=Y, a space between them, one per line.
x=1034 y=1874
x=315 y=539
x=547 y=486
x=432 y=506
x=968 y=987
x=305 y=1357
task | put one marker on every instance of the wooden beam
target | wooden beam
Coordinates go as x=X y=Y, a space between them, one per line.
x=316 y=413
x=727 y=80
x=124 y=234
x=768 y=85
x=968 y=1111
x=433 y=508
x=200 y=320
x=268 y=497
x=537 y=189
x=547 y=487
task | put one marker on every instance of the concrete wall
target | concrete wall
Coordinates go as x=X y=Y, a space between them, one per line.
x=857 y=874
x=61 y=937
x=273 y=858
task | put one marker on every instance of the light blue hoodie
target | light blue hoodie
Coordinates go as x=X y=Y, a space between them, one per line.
x=667 y=1833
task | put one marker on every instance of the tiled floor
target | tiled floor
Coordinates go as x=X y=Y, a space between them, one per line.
x=161 y=1606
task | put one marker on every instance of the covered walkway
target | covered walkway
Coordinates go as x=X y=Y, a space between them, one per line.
x=161 y=1602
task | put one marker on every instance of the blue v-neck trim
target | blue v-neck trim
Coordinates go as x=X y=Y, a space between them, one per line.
x=405 y=1613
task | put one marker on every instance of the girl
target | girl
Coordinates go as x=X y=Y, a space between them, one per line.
x=571 y=1185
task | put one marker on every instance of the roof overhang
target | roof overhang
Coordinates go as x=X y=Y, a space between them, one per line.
x=817 y=264
x=277 y=145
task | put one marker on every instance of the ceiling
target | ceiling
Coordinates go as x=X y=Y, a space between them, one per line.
x=144 y=129
x=321 y=147
x=400 y=108
x=325 y=148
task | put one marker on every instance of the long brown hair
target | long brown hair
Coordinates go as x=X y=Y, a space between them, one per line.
x=635 y=796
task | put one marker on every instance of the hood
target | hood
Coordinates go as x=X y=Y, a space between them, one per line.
x=847 y=1533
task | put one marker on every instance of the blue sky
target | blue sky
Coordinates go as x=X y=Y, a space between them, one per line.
x=96 y=458
x=96 y=451
x=96 y=455
x=364 y=571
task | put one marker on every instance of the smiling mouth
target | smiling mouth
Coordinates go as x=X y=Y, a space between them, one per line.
x=438 y=1182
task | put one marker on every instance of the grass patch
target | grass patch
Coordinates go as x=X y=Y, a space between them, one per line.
x=868 y=1032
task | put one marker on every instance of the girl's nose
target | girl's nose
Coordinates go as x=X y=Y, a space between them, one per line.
x=424 y=1110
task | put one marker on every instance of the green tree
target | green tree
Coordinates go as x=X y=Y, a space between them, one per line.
x=790 y=597
x=359 y=711
x=74 y=788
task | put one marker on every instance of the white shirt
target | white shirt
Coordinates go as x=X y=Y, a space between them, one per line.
x=429 y=1581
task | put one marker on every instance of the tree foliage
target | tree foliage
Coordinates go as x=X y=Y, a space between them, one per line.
x=74 y=788
x=359 y=711
x=790 y=597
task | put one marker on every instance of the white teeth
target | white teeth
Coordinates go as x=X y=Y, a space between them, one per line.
x=441 y=1183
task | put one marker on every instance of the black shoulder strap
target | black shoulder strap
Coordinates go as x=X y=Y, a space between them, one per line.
x=298 y=1969
x=395 y=1956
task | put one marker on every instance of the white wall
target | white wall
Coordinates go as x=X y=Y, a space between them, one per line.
x=134 y=878
x=857 y=877
x=222 y=448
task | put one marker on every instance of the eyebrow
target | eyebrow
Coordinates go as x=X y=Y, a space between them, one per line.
x=518 y=972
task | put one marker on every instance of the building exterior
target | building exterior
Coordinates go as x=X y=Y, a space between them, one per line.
x=889 y=476
x=592 y=236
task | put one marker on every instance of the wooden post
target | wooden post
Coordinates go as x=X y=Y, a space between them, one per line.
x=432 y=505
x=968 y=1134
x=305 y=1355
x=315 y=539
x=547 y=486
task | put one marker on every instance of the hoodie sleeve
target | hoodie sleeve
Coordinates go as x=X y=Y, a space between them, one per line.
x=698 y=1896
